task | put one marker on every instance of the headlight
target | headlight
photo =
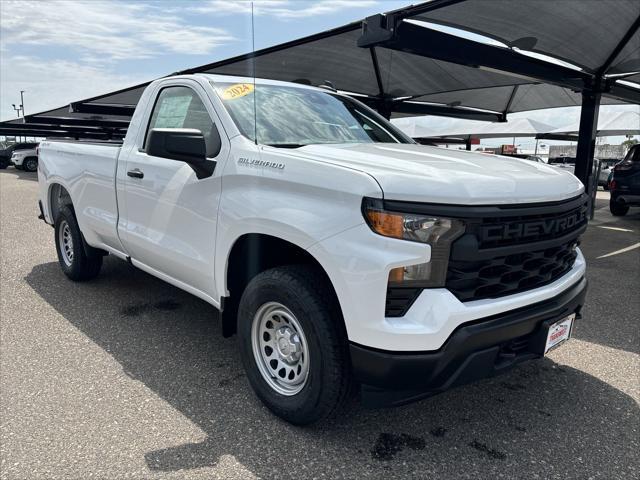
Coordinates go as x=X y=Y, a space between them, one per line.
x=438 y=232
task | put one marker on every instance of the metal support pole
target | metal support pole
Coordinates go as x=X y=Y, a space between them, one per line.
x=468 y=143
x=587 y=136
x=385 y=109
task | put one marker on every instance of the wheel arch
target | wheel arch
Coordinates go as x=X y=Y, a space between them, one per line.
x=253 y=253
x=58 y=197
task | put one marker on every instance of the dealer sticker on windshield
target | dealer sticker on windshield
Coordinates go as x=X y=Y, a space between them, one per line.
x=559 y=332
x=236 y=91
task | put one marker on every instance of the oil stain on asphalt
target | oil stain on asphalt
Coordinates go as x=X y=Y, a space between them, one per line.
x=388 y=445
x=438 y=432
x=484 y=448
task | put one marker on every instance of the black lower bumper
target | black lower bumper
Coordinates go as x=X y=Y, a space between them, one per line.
x=626 y=197
x=475 y=350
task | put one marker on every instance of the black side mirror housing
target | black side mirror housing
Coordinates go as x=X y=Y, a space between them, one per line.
x=184 y=145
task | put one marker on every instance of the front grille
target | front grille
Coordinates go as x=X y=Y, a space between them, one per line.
x=513 y=249
x=505 y=275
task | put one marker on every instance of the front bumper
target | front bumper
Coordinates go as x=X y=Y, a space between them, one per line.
x=475 y=350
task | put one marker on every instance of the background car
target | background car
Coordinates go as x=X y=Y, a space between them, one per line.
x=625 y=183
x=6 y=153
x=606 y=168
x=565 y=163
x=26 y=159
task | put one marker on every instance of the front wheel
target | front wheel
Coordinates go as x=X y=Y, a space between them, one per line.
x=617 y=209
x=293 y=344
x=76 y=262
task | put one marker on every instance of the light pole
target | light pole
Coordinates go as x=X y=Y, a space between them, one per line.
x=22 y=105
x=17 y=109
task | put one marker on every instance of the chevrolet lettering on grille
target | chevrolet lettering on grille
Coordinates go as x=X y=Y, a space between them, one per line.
x=537 y=228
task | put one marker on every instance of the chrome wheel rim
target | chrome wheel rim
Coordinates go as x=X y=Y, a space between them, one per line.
x=280 y=348
x=66 y=243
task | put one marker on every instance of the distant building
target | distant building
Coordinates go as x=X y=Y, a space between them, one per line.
x=602 y=151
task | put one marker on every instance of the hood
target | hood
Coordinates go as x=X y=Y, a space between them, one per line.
x=431 y=174
x=22 y=153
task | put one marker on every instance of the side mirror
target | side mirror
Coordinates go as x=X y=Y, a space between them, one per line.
x=181 y=144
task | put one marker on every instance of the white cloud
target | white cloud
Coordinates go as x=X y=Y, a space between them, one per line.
x=106 y=29
x=55 y=83
x=283 y=9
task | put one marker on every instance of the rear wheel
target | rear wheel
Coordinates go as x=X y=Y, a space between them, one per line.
x=76 y=262
x=30 y=164
x=293 y=344
x=617 y=209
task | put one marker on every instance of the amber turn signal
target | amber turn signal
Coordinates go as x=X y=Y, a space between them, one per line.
x=387 y=224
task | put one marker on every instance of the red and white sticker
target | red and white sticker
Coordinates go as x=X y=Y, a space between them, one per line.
x=559 y=332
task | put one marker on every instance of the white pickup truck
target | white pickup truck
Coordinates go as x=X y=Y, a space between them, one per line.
x=341 y=253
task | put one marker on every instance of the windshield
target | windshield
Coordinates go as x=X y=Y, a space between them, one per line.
x=293 y=117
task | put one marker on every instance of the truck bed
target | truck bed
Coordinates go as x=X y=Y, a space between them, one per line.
x=87 y=171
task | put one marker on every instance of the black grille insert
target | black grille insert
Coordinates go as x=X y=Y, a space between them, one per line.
x=399 y=300
x=504 y=275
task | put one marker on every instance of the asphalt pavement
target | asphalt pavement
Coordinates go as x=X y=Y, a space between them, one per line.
x=128 y=377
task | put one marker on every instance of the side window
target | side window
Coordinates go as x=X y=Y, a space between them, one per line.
x=181 y=107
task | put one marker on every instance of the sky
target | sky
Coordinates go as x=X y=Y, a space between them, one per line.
x=59 y=51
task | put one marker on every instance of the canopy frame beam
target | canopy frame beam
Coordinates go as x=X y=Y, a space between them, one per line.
x=83 y=122
x=616 y=51
x=510 y=102
x=102 y=109
x=14 y=132
x=417 y=108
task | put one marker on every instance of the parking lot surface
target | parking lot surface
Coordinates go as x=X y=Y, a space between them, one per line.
x=128 y=377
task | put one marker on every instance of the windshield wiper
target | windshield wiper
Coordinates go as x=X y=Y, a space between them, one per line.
x=287 y=145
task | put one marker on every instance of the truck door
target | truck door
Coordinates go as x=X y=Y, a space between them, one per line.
x=168 y=223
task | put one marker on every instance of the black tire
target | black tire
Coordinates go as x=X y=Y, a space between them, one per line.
x=30 y=164
x=3 y=164
x=85 y=263
x=303 y=290
x=605 y=187
x=617 y=209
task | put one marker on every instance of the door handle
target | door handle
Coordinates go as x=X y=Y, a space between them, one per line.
x=135 y=173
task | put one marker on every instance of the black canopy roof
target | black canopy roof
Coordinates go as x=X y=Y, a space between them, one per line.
x=591 y=34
